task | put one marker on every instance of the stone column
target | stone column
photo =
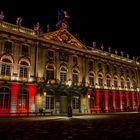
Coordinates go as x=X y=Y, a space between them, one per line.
x=14 y=97
x=114 y=100
x=97 y=100
x=121 y=105
x=106 y=100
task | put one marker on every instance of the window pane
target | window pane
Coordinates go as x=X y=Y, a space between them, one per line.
x=4 y=98
x=63 y=76
x=6 y=70
x=75 y=78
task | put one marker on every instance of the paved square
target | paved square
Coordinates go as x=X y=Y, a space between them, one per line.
x=104 y=126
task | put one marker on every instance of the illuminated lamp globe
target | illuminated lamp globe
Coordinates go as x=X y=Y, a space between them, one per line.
x=52 y=82
x=78 y=84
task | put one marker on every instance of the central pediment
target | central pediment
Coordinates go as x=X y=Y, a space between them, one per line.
x=63 y=36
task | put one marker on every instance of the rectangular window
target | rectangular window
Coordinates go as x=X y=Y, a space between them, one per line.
x=100 y=82
x=75 y=102
x=49 y=102
x=108 y=83
x=115 y=84
x=51 y=54
x=50 y=74
x=6 y=70
x=91 y=80
x=63 y=76
x=75 y=78
x=23 y=72
x=4 y=101
x=25 y=50
x=122 y=84
x=128 y=85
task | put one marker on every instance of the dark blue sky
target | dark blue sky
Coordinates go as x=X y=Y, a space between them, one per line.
x=114 y=24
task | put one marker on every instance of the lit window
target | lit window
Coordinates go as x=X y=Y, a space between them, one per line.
x=6 y=67
x=108 y=81
x=75 y=102
x=115 y=82
x=24 y=68
x=50 y=72
x=91 y=78
x=75 y=76
x=4 y=98
x=100 y=80
x=128 y=83
x=134 y=84
x=63 y=74
x=23 y=101
x=49 y=100
x=122 y=83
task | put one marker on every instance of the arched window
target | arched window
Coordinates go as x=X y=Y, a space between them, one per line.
x=91 y=78
x=24 y=69
x=134 y=84
x=6 y=67
x=115 y=82
x=75 y=75
x=23 y=100
x=108 y=81
x=63 y=74
x=122 y=82
x=8 y=46
x=4 y=98
x=50 y=72
x=100 y=80
x=128 y=83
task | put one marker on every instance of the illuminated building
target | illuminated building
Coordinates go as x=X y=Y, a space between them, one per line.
x=55 y=70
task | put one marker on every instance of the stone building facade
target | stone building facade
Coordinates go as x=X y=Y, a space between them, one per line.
x=54 y=70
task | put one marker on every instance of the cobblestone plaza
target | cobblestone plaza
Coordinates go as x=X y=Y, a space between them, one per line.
x=108 y=126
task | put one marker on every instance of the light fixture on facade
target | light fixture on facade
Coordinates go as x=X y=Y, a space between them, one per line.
x=69 y=83
x=137 y=89
x=30 y=79
x=44 y=93
x=88 y=96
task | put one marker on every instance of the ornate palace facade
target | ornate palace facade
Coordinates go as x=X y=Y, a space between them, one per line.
x=54 y=70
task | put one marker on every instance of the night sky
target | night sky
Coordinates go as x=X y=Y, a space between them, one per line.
x=114 y=24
